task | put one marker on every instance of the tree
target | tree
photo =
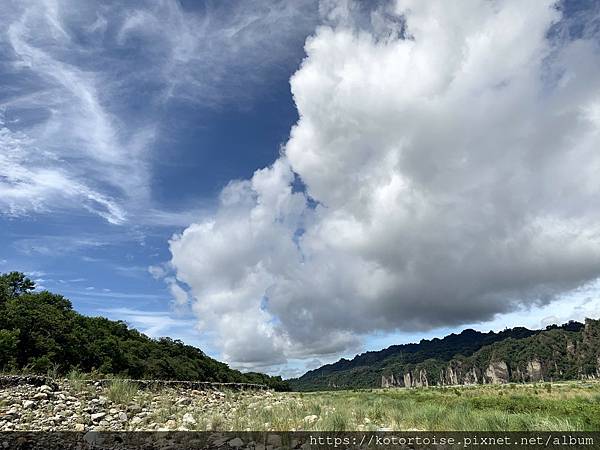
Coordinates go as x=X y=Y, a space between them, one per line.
x=14 y=284
x=40 y=330
x=9 y=341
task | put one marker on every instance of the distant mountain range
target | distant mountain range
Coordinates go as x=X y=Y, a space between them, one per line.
x=570 y=351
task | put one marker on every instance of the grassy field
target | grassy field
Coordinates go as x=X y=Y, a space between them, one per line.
x=556 y=406
x=564 y=406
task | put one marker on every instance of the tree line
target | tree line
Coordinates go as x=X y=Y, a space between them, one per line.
x=40 y=331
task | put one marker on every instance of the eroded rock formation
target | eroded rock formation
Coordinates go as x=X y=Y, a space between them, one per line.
x=555 y=355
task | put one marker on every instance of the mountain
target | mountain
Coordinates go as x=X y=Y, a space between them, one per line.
x=514 y=355
x=40 y=332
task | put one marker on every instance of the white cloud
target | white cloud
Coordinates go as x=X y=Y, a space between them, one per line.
x=61 y=147
x=89 y=86
x=455 y=175
x=154 y=324
x=221 y=54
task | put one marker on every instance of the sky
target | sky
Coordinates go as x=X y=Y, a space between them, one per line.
x=286 y=183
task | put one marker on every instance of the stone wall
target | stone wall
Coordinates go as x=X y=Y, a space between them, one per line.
x=38 y=380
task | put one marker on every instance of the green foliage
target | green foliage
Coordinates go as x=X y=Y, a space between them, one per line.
x=14 y=284
x=9 y=340
x=122 y=391
x=470 y=352
x=40 y=331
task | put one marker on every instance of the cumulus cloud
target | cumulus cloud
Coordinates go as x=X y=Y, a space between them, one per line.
x=449 y=160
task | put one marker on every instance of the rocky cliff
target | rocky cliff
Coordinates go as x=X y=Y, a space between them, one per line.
x=550 y=355
x=569 y=351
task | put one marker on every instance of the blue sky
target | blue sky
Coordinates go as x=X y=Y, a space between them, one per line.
x=233 y=119
x=285 y=183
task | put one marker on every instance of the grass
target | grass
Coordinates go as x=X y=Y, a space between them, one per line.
x=573 y=406
x=563 y=406
x=121 y=391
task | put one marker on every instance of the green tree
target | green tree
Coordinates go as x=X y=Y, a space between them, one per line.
x=14 y=284
x=9 y=341
x=40 y=330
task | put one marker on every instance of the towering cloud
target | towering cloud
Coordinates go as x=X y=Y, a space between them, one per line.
x=449 y=156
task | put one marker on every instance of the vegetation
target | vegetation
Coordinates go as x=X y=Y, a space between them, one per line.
x=567 y=406
x=122 y=391
x=564 y=352
x=41 y=333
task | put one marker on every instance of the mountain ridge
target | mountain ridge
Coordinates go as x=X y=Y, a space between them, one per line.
x=465 y=358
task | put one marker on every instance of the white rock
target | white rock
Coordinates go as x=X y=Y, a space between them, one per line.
x=79 y=427
x=311 y=419
x=188 y=419
x=97 y=416
x=28 y=404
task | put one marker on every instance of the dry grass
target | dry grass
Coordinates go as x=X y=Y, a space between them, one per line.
x=562 y=406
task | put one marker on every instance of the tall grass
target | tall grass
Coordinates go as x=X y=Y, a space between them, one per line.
x=475 y=408
x=121 y=391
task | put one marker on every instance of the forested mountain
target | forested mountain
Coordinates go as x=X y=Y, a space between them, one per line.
x=513 y=355
x=40 y=331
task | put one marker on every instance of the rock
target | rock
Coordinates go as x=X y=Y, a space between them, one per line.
x=27 y=404
x=171 y=424
x=96 y=417
x=188 y=419
x=136 y=420
x=311 y=419
x=134 y=409
x=79 y=427
x=497 y=372
x=40 y=396
x=534 y=370
x=122 y=417
x=45 y=388
x=236 y=442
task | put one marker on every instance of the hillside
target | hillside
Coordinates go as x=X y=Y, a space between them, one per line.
x=513 y=355
x=40 y=332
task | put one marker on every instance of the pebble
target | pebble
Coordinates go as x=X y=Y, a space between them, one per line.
x=60 y=406
x=97 y=416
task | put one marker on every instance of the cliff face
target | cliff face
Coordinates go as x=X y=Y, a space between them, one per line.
x=555 y=354
x=566 y=352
